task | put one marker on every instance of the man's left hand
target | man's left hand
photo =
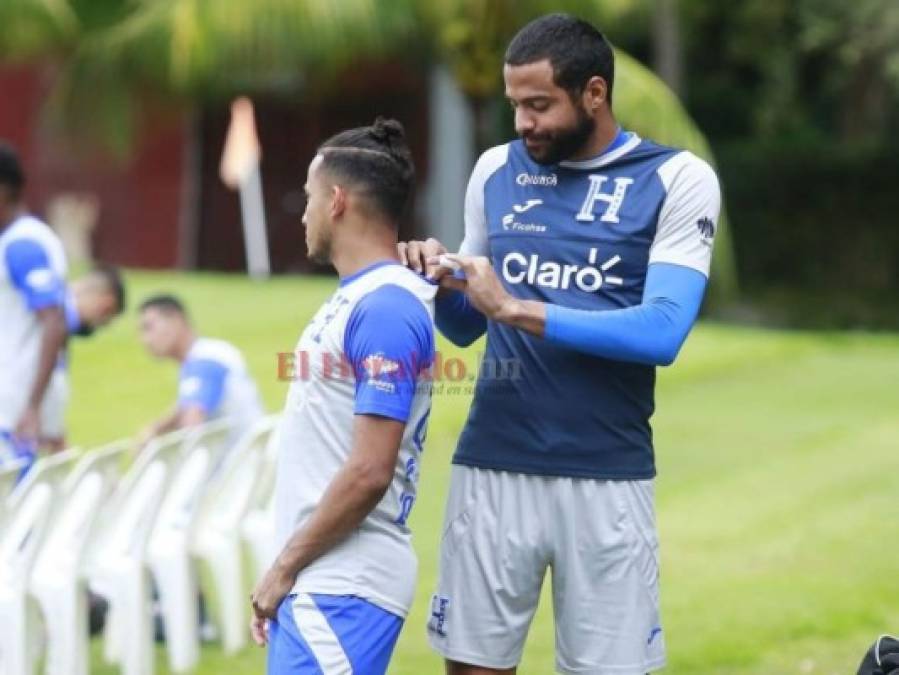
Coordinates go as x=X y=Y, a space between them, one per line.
x=480 y=284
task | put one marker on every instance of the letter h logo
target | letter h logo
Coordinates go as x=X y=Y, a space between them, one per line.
x=595 y=194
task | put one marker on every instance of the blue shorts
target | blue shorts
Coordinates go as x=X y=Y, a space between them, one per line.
x=318 y=634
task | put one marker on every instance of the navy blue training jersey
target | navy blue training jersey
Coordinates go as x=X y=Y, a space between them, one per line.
x=582 y=235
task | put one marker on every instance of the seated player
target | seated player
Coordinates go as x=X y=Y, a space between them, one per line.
x=351 y=438
x=213 y=382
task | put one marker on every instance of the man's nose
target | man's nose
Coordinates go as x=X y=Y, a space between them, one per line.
x=524 y=121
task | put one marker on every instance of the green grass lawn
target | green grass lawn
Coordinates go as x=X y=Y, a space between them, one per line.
x=778 y=461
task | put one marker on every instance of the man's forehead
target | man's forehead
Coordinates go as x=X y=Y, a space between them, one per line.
x=529 y=79
x=157 y=314
x=314 y=165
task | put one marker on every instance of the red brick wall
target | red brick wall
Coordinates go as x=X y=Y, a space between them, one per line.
x=144 y=199
x=140 y=198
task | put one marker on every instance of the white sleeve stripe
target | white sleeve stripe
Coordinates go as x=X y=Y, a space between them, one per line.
x=317 y=633
x=475 y=241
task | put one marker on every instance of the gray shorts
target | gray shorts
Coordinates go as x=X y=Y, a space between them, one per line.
x=598 y=537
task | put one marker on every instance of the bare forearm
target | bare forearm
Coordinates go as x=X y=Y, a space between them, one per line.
x=167 y=423
x=526 y=315
x=350 y=497
x=52 y=342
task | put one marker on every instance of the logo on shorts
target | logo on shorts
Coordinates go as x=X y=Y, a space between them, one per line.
x=653 y=633
x=437 y=622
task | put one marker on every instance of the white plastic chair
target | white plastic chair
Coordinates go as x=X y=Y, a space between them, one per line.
x=117 y=563
x=32 y=505
x=9 y=476
x=168 y=553
x=216 y=537
x=57 y=579
x=258 y=526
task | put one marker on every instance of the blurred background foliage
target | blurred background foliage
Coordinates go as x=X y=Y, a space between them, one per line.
x=796 y=100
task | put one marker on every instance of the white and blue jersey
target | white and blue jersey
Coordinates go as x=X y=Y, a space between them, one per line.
x=583 y=235
x=32 y=278
x=367 y=351
x=215 y=378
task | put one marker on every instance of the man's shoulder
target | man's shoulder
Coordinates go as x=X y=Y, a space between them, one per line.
x=669 y=158
x=213 y=349
x=687 y=170
x=395 y=284
x=30 y=228
x=492 y=160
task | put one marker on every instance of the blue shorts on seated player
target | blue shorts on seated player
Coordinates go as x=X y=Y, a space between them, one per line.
x=318 y=634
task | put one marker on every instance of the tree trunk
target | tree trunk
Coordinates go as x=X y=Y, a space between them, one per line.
x=666 y=38
x=483 y=123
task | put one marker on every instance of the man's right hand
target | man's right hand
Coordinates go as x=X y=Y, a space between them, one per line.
x=415 y=254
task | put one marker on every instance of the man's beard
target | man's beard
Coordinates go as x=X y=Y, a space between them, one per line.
x=322 y=252
x=562 y=144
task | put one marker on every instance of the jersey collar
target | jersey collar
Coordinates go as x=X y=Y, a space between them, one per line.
x=365 y=270
x=623 y=143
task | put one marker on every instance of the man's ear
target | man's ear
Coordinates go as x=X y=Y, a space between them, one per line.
x=596 y=92
x=338 y=201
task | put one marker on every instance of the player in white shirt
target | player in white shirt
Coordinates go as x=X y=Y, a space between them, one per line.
x=213 y=382
x=353 y=425
x=32 y=319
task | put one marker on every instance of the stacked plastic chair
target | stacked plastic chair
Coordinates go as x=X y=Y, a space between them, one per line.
x=31 y=509
x=258 y=526
x=9 y=476
x=216 y=537
x=58 y=579
x=118 y=564
x=188 y=498
x=168 y=553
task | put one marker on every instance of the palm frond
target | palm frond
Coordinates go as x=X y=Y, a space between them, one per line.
x=34 y=28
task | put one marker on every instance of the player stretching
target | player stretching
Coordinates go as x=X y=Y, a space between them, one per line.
x=351 y=440
x=91 y=302
x=586 y=255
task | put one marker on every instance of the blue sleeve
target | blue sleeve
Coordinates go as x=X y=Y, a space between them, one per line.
x=651 y=332
x=202 y=384
x=458 y=319
x=31 y=273
x=389 y=340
